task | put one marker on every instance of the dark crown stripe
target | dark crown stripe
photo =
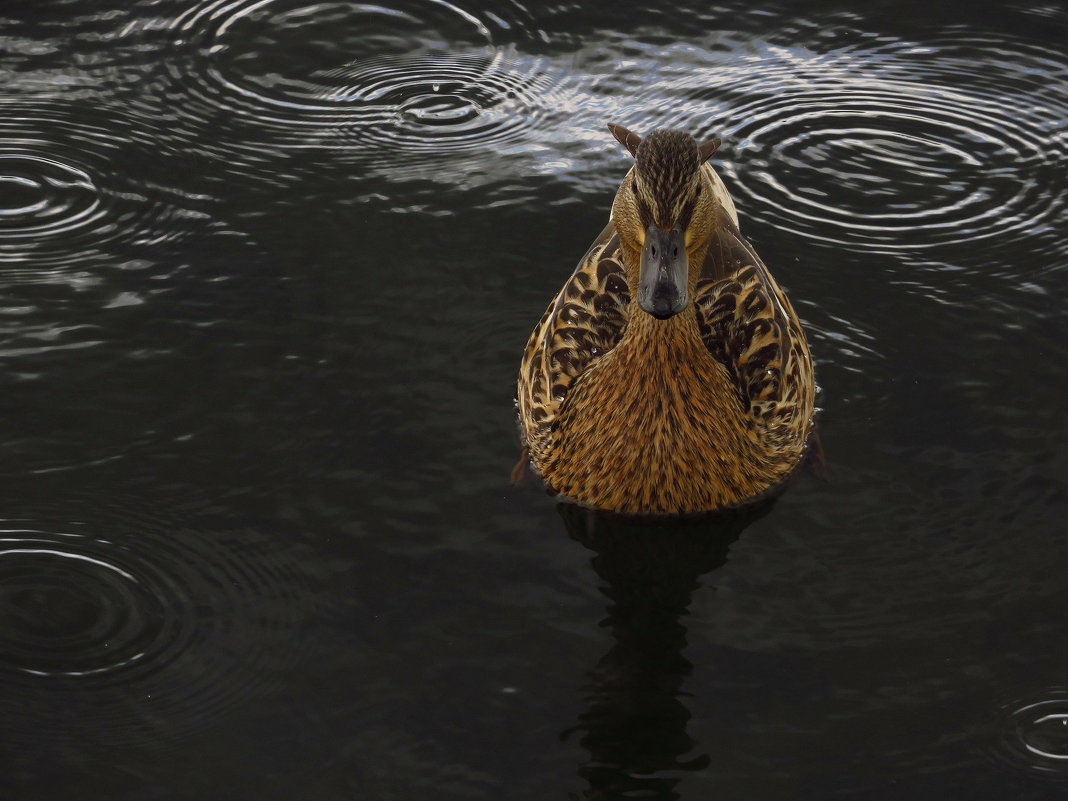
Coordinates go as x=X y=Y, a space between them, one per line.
x=667 y=163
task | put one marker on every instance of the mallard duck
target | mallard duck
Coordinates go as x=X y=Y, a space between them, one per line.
x=670 y=375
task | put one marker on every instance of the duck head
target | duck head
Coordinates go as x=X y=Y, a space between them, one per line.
x=664 y=214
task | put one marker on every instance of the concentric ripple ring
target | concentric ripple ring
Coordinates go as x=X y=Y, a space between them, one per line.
x=914 y=155
x=43 y=196
x=421 y=75
x=71 y=193
x=77 y=609
x=189 y=615
x=1034 y=734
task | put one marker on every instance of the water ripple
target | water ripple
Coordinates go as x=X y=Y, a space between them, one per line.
x=447 y=103
x=389 y=87
x=912 y=149
x=1034 y=734
x=847 y=138
x=75 y=608
x=190 y=614
x=73 y=194
x=44 y=197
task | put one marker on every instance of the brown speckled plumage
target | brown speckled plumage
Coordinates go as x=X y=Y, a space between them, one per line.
x=703 y=410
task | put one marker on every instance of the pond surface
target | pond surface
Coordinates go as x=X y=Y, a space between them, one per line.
x=266 y=271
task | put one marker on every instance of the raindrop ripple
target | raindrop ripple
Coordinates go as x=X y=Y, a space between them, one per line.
x=75 y=609
x=73 y=193
x=913 y=148
x=189 y=616
x=1034 y=734
x=383 y=85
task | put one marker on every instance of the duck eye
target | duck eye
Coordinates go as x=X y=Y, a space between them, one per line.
x=675 y=254
x=634 y=189
x=698 y=192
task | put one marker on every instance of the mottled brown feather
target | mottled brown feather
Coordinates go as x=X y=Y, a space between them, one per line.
x=583 y=323
x=748 y=325
x=707 y=409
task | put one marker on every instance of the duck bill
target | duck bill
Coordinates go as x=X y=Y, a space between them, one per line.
x=662 y=285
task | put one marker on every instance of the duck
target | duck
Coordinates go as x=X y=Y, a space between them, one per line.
x=669 y=375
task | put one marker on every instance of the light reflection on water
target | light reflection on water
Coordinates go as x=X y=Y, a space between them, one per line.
x=265 y=273
x=1033 y=734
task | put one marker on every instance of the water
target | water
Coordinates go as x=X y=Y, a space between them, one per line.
x=266 y=271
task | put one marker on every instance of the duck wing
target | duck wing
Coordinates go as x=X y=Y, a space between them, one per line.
x=749 y=326
x=584 y=321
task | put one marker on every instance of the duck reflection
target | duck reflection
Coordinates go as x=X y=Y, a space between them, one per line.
x=634 y=726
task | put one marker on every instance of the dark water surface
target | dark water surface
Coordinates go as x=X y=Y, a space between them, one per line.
x=266 y=271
